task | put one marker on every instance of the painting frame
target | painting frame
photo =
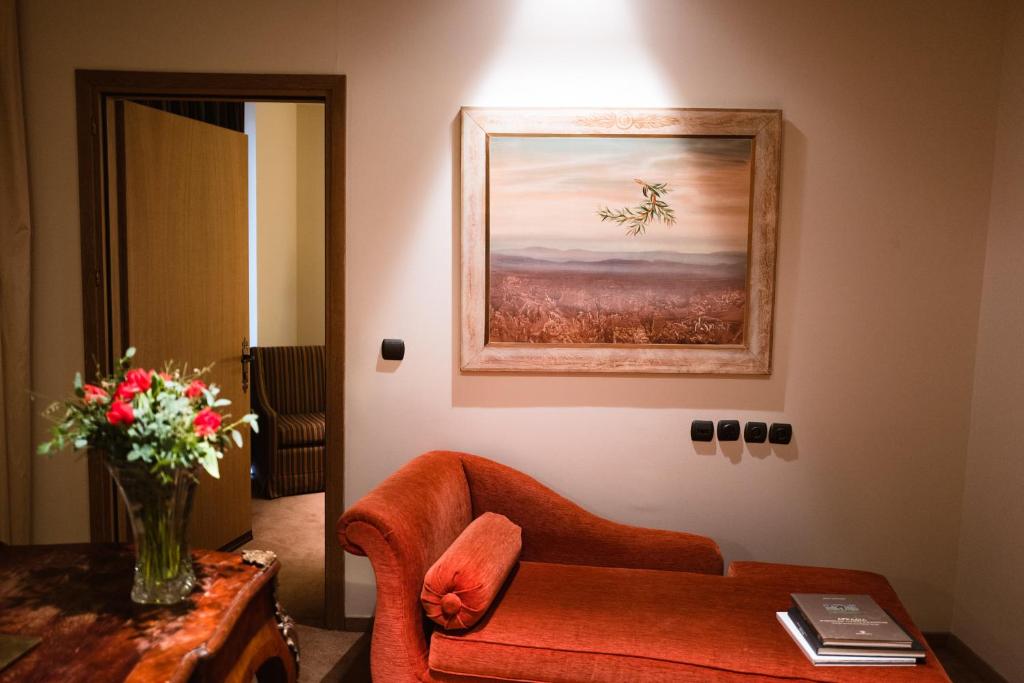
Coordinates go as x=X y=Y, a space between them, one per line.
x=753 y=357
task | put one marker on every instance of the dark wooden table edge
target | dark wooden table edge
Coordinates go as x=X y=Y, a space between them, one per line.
x=209 y=649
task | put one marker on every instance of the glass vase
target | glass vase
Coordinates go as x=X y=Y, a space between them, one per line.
x=159 y=514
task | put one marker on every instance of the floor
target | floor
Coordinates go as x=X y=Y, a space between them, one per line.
x=959 y=669
x=293 y=527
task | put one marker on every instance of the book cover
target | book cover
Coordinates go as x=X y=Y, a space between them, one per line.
x=916 y=649
x=837 y=660
x=13 y=647
x=850 y=620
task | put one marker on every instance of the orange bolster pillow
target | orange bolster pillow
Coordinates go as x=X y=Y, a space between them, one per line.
x=461 y=585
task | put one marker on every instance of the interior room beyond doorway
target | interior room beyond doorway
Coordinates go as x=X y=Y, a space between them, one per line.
x=287 y=313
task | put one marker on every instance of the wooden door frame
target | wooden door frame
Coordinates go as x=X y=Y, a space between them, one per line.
x=92 y=90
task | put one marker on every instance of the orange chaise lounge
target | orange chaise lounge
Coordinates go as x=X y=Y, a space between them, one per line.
x=588 y=599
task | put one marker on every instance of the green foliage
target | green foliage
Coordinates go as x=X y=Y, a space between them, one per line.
x=637 y=218
x=162 y=434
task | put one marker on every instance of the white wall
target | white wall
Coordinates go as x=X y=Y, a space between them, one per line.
x=989 y=588
x=886 y=165
x=289 y=165
x=890 y=111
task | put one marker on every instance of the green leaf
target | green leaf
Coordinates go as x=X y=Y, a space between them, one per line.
x=78 y=381
x=81 y=443
x=236 y=436
x=253 y=422
x=211 y=465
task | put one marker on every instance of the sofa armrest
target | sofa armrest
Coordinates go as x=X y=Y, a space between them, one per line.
x=557 y=530
x=403 y=525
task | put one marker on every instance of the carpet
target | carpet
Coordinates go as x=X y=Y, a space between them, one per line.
x=293 y=527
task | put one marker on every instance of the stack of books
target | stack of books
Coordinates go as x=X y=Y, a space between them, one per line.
x=848 y=630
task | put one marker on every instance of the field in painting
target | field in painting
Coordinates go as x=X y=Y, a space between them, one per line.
x=549 y=296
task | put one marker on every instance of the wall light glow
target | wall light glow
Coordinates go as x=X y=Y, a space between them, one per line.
x=574 y=53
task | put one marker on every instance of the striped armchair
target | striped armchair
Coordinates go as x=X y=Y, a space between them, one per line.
x=290 y=397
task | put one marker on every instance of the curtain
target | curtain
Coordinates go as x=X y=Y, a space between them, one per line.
x=16 y=450
x=230 y=115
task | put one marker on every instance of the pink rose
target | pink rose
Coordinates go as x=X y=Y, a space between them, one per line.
x=94 y=394
x=206 y=422
x=120 y=413
x=195 y=389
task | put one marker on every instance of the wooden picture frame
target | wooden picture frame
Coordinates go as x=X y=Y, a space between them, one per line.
x=497 y=145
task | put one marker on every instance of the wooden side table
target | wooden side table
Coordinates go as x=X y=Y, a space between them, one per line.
x=76 y=599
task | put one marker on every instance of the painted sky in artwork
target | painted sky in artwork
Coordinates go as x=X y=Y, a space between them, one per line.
x=546 y=191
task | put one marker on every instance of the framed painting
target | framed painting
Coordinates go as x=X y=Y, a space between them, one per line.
x=619 y=241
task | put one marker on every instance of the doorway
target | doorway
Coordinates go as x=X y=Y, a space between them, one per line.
x=107 y=301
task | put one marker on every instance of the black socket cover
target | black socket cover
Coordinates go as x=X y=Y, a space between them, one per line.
x=702 y=430
x=728 y=430
x=392 y=349
x=755 y=432
x=780 y=432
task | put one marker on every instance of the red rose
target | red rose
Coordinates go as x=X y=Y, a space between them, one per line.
x=195 y=389
x=125 y=392
x=142 y=379
x=135 y=382
x=120 y=413
x=206 y=422
x=94 y=394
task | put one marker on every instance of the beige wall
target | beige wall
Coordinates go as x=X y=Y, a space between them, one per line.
x=311 y=304
x=276 y=224
x=989 y=587
x=289 y=223
x=886 y=168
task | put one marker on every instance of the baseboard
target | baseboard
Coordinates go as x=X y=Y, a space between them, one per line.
x=354 y=666
x=979 y=666
x=358 y=624
x=237 y=543
x=981 y=669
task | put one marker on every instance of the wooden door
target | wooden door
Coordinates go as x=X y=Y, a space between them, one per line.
x=181 y=256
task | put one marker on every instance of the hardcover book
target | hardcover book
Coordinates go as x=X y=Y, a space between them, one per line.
x=837 y=660
x=13 y=647
x=916 y=650
x=850 y=621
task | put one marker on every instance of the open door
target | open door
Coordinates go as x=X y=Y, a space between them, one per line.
x=179 y=187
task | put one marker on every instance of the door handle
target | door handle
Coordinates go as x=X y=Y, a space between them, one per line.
x=246 y=363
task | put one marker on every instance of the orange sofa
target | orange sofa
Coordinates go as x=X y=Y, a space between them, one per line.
x=590 y=600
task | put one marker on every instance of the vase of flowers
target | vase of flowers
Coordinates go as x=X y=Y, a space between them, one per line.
x=155 y=431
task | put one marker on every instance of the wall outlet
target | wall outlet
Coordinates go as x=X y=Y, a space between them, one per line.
x=728 y=430
x=702 y=430
x=755 y=432
x=780 y=432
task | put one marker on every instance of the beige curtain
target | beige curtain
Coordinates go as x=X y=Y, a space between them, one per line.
x=15 y=409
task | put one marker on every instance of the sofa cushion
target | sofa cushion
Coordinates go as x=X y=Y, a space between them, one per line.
x=304 y=429
x=573 y=623
x=461 y=585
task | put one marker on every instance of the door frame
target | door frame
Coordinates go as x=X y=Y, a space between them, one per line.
x=93 y=89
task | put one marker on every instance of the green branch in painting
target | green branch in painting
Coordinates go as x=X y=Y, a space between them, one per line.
x=637 y=218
